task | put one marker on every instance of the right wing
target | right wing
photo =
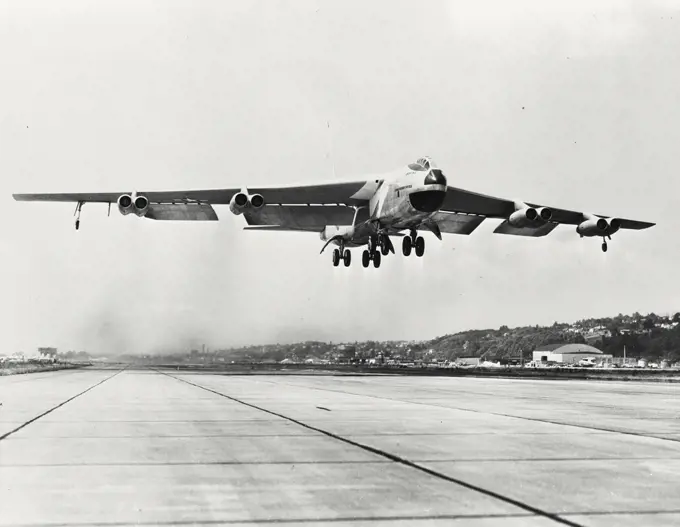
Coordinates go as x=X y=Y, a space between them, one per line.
x=353 y=193
x=196 y=205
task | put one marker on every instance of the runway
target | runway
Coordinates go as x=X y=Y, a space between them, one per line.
x=112 y=447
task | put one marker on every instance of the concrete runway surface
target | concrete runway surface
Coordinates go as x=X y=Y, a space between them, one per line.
x=141 y=447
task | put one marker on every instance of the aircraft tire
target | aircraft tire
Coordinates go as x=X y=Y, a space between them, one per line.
x=406 y=246
x=385 y=249
x=347 y=258
x=604 y=247
x=420 y=246
x=365 y=258
x=336 y=257
x=376 y=259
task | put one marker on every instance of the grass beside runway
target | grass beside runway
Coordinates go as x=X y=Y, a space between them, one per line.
x=21 y=368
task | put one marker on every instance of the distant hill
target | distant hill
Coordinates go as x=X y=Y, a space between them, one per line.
x=650 y=336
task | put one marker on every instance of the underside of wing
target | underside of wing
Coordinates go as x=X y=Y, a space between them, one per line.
x=530 y=231
x=182 y=212
x=452 y=223
x=303 y=217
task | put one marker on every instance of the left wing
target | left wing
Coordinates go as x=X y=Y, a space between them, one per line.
x=465 y=202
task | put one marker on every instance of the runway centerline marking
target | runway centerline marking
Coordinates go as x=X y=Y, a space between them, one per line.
x=393 y=457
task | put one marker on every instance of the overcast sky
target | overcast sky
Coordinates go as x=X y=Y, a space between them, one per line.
x=574 y=106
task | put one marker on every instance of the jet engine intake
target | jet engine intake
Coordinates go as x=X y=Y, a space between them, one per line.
x=141 y=206
x=595 y=226
x=125 y=205
x=242 y=201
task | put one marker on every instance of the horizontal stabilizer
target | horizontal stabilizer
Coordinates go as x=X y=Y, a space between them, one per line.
x=533 y=232
x=182 y=212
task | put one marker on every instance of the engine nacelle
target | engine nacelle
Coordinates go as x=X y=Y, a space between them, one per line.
x=141 y=206
x=544 y=213
x=595 y=226
x=526 y=216
x=125 y=205
x=242 y=201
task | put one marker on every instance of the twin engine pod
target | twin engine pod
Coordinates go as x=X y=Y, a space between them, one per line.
x=128 y=204
x=595 y=226
x=526 y=216
x=240 y=202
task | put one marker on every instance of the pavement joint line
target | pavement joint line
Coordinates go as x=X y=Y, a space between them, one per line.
x=534 y=419
x=393 y=457
x=285 y=521
x=7 y=434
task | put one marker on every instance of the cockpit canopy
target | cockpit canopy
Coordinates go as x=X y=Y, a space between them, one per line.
x=424 y=163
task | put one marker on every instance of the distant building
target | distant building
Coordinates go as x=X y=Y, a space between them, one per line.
x=47 y=352
x=569 y=353
x=468 y=361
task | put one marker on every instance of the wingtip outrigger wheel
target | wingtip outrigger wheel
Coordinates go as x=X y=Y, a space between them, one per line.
x=79 y=207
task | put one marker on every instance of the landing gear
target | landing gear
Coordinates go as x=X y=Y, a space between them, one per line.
x=604 y=243
x=79 y=207
x=336 y=257
x=406 y=246
x=347 y=258
x=413 y=241
x=367 y=256
x=420 y=246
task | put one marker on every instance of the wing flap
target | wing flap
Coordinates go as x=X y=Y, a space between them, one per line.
x=314 y=217
x=182 y=212
x=533 y=232
x=455 y=223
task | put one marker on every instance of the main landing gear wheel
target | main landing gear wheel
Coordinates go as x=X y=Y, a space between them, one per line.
x=406 y=246
x=336 y=257
x=385 y=249
x=376 y=259
x=365 y=258
x=420 y=246
x=347 y=258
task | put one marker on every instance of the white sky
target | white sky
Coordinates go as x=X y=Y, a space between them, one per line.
x=574 y=106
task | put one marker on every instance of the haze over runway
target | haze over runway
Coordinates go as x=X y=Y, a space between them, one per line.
x=574 y=106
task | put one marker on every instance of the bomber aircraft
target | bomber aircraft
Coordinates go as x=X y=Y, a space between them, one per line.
x=369 y=212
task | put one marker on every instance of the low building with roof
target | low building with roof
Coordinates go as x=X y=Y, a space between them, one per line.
x=569 y=353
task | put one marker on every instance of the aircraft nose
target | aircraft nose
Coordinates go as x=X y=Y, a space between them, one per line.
x=435 y=177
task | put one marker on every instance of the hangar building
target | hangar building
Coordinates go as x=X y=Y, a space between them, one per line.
x=569 y=353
